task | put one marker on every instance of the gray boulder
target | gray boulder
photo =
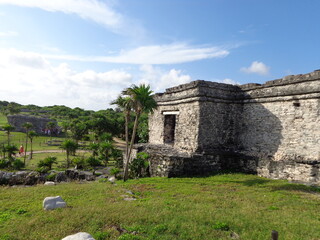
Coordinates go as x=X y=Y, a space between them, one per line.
x=50 y=203
x=61 y=177
x=112 y=179
x=79 y=236
x=49 y=183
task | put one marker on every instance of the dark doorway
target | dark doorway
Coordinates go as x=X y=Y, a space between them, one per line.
x=169 y=128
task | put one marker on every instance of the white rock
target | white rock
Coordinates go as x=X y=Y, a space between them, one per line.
x=50 y=203
x=112 y=179
x=79 y=236
x=48 y=183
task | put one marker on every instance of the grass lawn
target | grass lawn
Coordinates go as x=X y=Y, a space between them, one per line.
x=175 y=208
x=3 y=119
x=61 y=158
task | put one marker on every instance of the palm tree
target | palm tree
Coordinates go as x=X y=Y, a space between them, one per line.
x=11 y=149
x=27 y=126
x=8 y=128
x=106 y=149
x=51 y=126
x=125 y=103
x=70 y=146
x=32 y=134
x=65 y=127
x=142 y=101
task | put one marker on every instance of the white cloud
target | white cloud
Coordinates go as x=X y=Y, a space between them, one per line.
x=8 y=34
x=156 y=54
x=257 y=67
x=30 y=78
x=94 y=10
x=159 y=79
x=228 y=81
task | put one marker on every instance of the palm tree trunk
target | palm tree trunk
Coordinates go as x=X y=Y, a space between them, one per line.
x=135 y=126
x=127 y=116
x=25 y=152
x=68 y=163
x=31 y=151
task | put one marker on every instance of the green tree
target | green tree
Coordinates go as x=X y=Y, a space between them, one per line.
x=65 y=126
x=11 y=108
x=142 y=102
x=78 y=129
x=27 y=126
x=106 y=150
x=32 y=135
x=8 y=129
x=70 y=146
x=11 y=149
x=51 y=126
x=94 y=147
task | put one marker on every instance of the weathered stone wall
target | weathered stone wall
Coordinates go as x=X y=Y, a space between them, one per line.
x=187 y=121
x=271 y=129
x=38 y=123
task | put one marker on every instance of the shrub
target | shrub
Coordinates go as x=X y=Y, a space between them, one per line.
x=51 y=177
x=93 y=162
x=79 y=162
x=47 y=162
x=114 y=171
x=17 y=164
x=221 y=226
x=139 y=165
x=4 y=163
x=42 y=169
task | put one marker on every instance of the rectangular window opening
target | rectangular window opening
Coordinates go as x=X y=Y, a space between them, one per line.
x=169 y=128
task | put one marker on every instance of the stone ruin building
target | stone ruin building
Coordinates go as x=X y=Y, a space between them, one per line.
x=39 y=123
x=272 y=129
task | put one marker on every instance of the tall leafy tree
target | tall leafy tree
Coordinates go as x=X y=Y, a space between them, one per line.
x=65 y=126
x=142 y=101
x=78 y=129
x=8 y=129
x=27 y=126
x=32 y=135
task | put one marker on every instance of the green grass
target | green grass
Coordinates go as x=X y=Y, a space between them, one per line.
x=61 y=159
x=3 y=119
x=39 y=143
x=175 y=208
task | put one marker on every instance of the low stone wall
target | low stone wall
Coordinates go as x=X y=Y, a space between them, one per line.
x=166 y=161
x=33 y=177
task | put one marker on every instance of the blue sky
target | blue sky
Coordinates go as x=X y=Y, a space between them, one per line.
x=82 y=53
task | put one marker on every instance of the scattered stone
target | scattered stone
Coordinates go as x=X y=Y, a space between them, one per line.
x=49 y=183
x=112 y=179
x=79 y=236
x=234 y=235
x=129 y=199
x=50 y=203
x=129 y=192
x=61 y=177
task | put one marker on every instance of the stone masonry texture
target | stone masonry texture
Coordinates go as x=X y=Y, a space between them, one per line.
x=271 y=129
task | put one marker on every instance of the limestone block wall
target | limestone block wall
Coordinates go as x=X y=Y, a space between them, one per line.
x=271 y=129
x=186 y=129
x=282 y=120
x=38 y=123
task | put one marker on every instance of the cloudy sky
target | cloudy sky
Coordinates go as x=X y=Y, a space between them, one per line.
x=82 y=53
